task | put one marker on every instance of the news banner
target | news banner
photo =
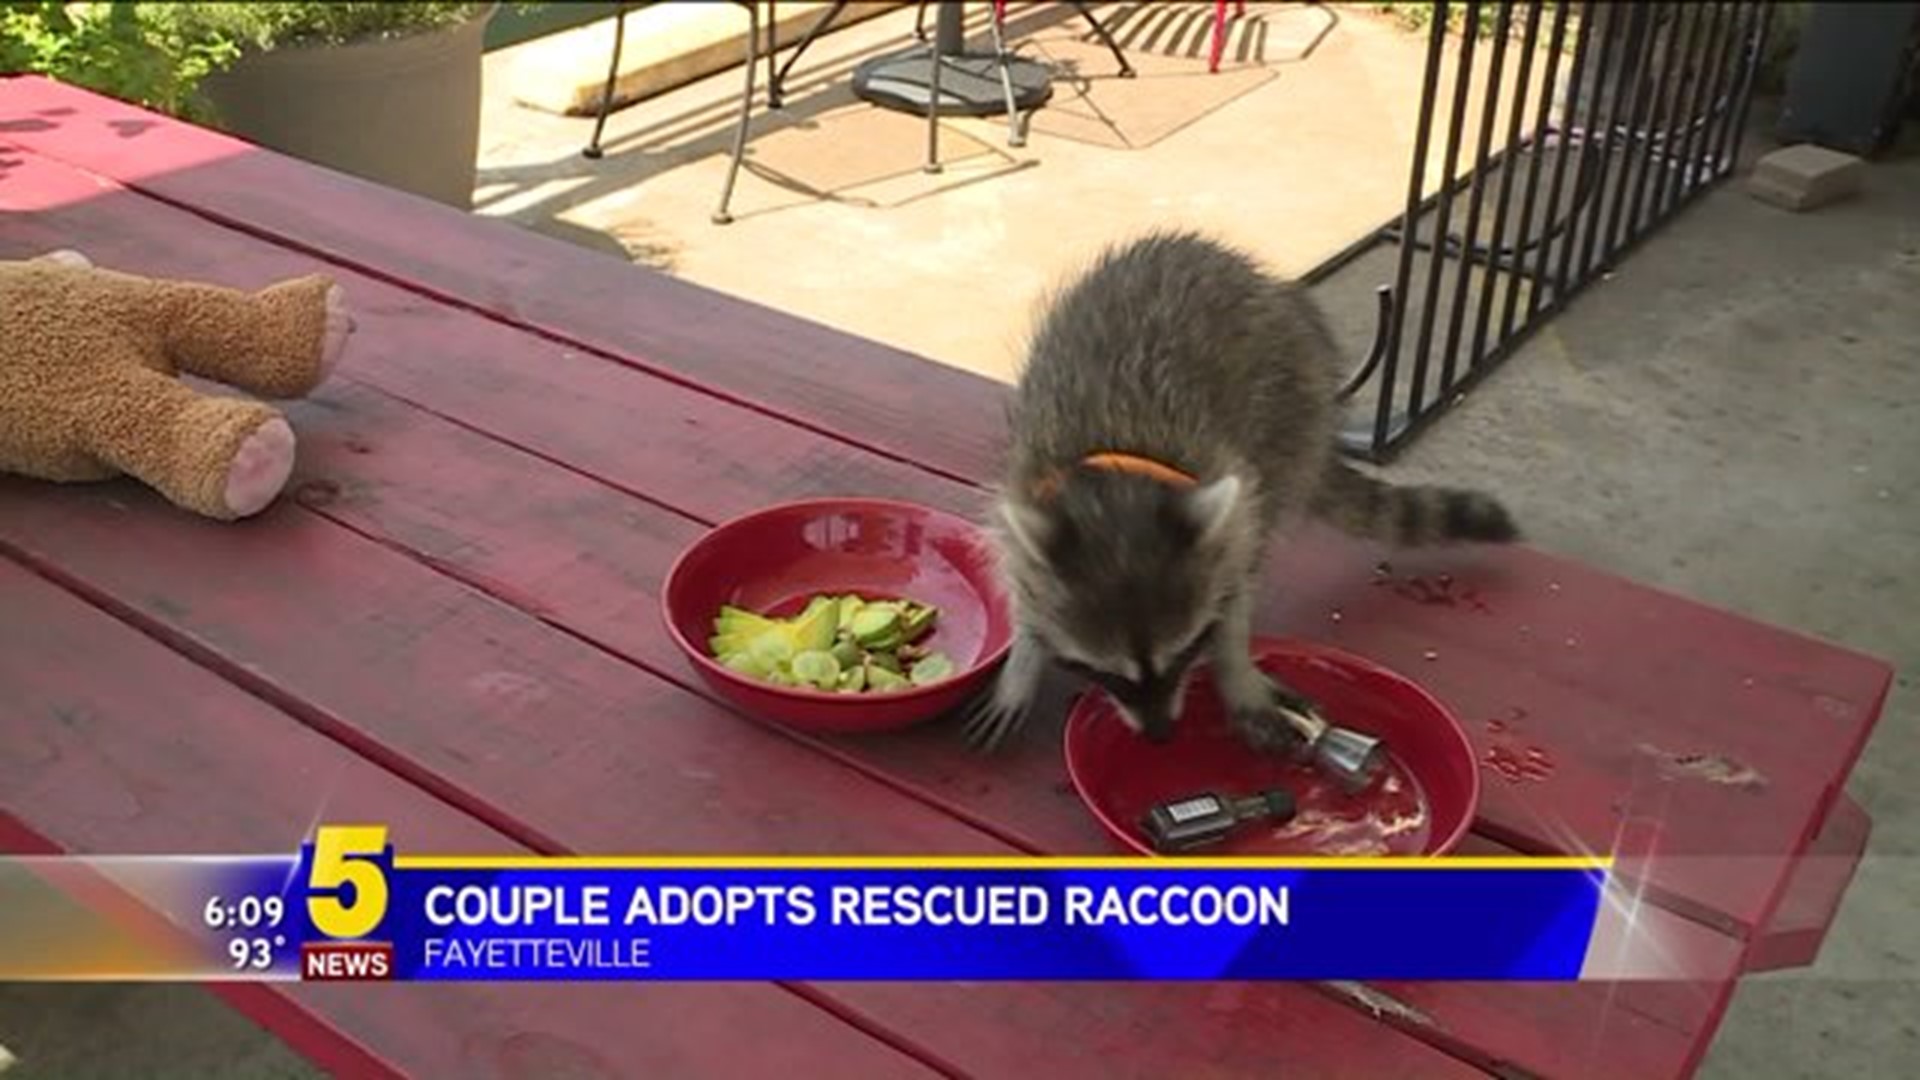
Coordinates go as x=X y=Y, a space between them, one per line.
x=348 y=905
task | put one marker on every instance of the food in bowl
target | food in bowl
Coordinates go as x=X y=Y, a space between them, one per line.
x=771 y=562
x=846 y=644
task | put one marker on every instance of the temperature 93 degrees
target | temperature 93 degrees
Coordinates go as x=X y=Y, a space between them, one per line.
x=246 y=916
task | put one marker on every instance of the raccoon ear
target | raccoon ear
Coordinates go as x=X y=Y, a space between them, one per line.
x=1210 y=508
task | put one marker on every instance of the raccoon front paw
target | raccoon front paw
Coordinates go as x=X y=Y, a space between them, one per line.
x=1267 y=731
x=992 y=718
x=1272 y=719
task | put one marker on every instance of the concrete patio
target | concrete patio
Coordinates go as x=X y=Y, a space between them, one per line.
x=1307 y=128
x=1734 y=416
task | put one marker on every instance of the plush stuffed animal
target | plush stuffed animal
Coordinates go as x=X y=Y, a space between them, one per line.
x=89 y=386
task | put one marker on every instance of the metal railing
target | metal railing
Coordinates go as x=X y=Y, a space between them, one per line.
x=1586 y=127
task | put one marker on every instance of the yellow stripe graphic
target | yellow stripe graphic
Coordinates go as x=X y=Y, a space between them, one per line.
x=985 y=862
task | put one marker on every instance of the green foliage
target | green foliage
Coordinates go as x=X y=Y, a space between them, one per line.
x=156 y=54
x=265 y=26
x=112 y=48
x=1419 y=16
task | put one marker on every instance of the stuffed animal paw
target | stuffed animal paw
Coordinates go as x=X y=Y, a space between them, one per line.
x=90 y=387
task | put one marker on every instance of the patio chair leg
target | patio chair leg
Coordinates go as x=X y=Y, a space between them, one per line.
x=1100 y=31
x=933 y=109
x=1016 y=133
x=773 y=53
x=593 y=151
x=920 y=21
x=776 y=92
x=1219 y=35
x=722 y=215
x=1219 y=43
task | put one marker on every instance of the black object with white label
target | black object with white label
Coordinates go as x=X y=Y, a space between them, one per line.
x=1203 y=819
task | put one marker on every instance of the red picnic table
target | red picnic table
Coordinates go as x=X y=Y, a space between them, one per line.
x=449 y=625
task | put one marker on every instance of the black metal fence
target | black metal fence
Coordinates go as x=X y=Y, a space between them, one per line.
x=1566 y=135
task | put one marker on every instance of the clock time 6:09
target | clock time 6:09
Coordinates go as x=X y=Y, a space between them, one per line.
x=248 y=912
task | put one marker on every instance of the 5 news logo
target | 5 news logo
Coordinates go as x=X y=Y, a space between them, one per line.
x=347 y=894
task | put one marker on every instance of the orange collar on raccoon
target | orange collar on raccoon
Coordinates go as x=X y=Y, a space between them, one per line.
x=1123 y=463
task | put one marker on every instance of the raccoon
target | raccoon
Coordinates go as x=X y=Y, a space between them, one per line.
x=1177 y=410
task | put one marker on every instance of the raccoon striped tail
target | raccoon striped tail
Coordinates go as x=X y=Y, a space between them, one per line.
x=1410 y=516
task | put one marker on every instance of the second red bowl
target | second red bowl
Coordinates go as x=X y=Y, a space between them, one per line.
x=1424 y=805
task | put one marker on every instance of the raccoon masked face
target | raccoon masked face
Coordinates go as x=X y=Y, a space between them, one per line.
x=1125 y=578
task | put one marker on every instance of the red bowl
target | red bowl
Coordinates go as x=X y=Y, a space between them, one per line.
x=773 y=560
x=1424 y=806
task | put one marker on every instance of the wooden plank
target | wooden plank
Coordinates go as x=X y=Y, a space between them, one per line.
x=457 y=365
x=457 y=691
x=386 y=462
x=779 y=363
x=292 y=601
x=139 y=751
x=1732 y=735
x=1640 y=1028
x=1617 y=739
x=625 y=537
x=514 y=722
x=1812 y=901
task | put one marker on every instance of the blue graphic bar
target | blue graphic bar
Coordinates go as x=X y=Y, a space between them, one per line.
x=449 y=919
x=991 y=924
x=346 y=907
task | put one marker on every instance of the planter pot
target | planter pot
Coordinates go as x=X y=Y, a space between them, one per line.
x=403 y=112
